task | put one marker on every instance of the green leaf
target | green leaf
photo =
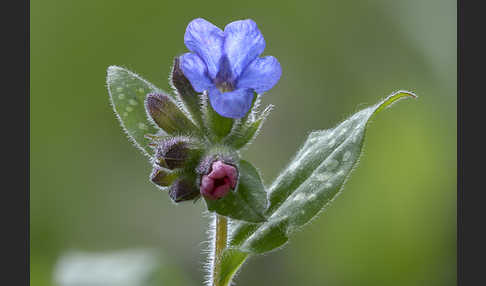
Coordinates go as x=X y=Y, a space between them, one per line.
x=248 y=201
x=127 y=92
x=231 y=260
x=310 y=183
x=306 y=187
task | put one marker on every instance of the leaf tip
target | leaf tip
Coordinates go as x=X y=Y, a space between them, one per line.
x=393 y=98
x=111 y=70
x=406 y=93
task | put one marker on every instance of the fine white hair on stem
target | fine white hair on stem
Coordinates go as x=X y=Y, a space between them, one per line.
x=208 y=249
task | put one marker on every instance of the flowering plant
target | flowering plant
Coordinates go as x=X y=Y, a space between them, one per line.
x=193 y=139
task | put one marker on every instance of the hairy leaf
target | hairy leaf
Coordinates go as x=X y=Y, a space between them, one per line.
x=127 y=93
x=231 y=260
x=312 y=180
x=307 y=186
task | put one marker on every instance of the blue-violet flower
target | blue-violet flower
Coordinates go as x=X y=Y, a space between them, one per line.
x=226 y=64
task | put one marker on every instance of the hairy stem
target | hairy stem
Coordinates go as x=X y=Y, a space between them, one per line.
x=220 y=241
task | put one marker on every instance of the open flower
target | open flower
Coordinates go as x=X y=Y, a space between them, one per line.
x=217 y=183
x=226 y=64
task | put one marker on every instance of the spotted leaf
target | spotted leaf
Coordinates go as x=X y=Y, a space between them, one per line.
x=127 y=92
x=308 y=185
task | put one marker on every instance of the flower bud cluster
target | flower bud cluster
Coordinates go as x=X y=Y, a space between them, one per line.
x=174 y=163
x=186 y=162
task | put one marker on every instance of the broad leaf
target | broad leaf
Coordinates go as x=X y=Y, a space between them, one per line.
x=308 y=185
x=127 y=93
x=248 y=201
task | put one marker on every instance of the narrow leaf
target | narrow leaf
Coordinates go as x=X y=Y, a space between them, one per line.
x=231 y=260
x=127 y=92
x=310 y=183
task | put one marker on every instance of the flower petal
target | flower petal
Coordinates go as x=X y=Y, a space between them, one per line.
x=233 y=104
x=195 y=70
x=261 y=74
x=206 y=40
x=242 y=44
x=222 y=190
x=218 y=170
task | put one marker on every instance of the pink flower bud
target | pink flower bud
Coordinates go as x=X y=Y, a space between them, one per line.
x=217 y=183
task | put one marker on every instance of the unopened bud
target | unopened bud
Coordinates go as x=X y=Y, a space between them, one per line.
x=176 y=152
x=219 y=180
x=167 y=115
x=183 y=190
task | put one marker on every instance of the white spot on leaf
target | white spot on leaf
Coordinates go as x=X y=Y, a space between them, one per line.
x=299 y=197
x=346 y=156
x=332 y=143
x=332 y=164
x=323 y=176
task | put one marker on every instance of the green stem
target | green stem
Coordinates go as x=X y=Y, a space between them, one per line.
x=220 y=242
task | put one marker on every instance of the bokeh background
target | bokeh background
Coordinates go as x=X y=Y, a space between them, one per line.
x=395 y=222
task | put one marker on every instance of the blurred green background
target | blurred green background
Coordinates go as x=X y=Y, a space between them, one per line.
x=395 y=222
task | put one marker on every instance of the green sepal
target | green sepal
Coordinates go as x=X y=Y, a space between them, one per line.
x=163 y=177
x=246 y=131
x=218 y=126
